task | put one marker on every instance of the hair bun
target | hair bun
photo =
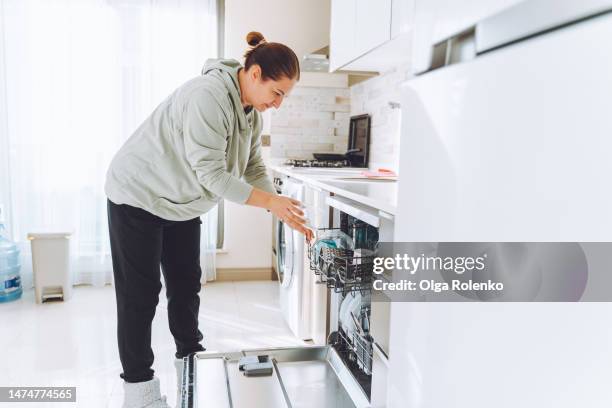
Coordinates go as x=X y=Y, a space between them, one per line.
x=254 y=38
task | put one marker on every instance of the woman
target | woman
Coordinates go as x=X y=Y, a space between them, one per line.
x=200 y=145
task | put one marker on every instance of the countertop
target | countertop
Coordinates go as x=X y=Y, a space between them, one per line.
x=378 y=194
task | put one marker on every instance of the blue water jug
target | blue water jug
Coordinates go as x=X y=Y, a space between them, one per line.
x=10 y=281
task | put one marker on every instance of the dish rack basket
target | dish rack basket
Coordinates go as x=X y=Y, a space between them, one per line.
x=356 y=349
x=341 y=269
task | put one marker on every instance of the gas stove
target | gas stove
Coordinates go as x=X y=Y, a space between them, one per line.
x=317 y=163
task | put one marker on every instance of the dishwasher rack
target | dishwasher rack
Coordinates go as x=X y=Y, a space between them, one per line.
x=345 y=270
x=341 y=270
x=357 y=353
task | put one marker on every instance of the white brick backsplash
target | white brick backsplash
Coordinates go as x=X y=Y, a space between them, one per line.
x=311 y=120
x=340 y=147
x=318 y=131
x=293 y=139
x=279 y=138
x=342 y=100
x=280 y=120
x=277 y=150
x=323 y=99
x=296 y=154
x=335 y=107
x=318 y=147
x=303 y=122
x=330 y=139
x=345 y=116
x=331 y=123
x=373 y=96
x=343 y=92
x=285 y=130
x=303 y=114
x=319 y=91
x=343 y=130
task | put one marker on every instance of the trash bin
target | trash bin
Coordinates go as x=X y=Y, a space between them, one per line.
x=51 y=265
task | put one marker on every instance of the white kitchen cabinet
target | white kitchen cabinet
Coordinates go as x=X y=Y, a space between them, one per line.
x=369 y=35
x=373 y=24
x=342 y=33
x=402 y=12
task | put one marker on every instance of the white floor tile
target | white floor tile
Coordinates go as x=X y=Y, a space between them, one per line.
x=73 y=343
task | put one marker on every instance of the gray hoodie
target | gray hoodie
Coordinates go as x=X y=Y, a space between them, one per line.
x=197 y=146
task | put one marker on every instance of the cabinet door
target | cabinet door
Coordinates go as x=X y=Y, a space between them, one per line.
x=373 y=24
x=402 y=12
x=342 y=33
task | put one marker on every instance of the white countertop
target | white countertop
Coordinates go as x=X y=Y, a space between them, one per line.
x=378 y=194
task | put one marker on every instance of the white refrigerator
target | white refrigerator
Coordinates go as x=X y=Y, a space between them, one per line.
x=507 y=136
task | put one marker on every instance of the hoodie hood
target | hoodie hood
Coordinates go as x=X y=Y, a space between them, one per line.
x=227 y=71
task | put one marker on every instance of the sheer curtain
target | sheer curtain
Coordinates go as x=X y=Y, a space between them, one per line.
x=79 y=77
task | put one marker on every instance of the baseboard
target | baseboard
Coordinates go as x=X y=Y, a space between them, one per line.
x=244 y=274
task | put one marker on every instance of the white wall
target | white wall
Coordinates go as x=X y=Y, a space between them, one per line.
x=303 y=26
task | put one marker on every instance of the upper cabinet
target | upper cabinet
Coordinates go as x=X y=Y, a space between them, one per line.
x=362 y=34
x=342 y=33
x=402 y=15
x=375 y=35
x=372 y=25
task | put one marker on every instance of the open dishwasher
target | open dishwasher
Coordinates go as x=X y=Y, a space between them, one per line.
x=339 y=374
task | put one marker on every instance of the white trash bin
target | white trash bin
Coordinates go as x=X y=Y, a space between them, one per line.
x=51 y=265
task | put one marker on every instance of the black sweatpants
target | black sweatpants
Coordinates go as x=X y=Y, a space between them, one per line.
x=140 y=243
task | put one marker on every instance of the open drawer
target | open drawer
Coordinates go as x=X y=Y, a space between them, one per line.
x=301 y=377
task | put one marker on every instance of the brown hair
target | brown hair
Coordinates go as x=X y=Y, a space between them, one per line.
x=276 y=60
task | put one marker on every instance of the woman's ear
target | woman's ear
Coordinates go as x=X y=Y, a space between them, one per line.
x=256 y=74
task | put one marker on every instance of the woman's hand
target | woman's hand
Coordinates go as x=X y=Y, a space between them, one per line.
x=288 y=210
x=285 y=208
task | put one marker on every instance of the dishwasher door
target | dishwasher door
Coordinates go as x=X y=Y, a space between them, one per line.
x=301 y=377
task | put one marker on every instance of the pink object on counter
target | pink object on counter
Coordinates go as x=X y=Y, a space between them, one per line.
x=380 y=173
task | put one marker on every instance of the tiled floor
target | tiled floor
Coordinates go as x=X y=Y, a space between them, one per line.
x=73 y=343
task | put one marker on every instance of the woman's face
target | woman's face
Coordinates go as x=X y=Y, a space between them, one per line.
x=264 y=94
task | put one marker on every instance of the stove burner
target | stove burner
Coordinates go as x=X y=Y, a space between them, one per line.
x=316 y=163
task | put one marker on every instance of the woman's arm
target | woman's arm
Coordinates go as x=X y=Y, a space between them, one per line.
x=285 y=208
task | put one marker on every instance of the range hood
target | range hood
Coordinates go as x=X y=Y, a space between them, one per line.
x=316 y=61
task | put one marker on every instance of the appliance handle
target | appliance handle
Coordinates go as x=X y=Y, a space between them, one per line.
x=517 y=23
x=530 y=18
